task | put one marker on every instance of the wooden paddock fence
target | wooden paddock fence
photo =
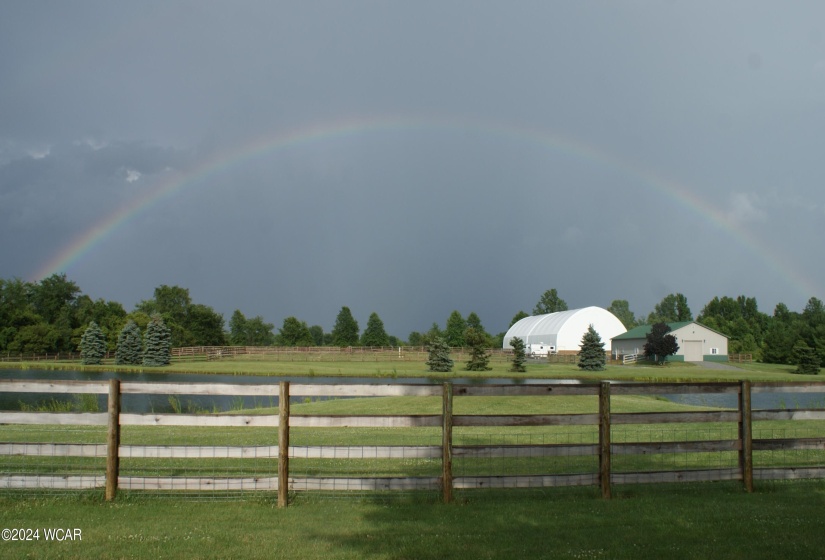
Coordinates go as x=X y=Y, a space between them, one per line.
x=325 y=353
x=282 y=482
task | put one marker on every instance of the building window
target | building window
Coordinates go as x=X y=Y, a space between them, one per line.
x=714 y=350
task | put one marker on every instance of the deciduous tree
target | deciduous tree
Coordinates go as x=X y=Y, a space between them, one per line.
x=621 y=309
x=294 y=333
x=518 y=317
x=474 y=321
x=550 y=302
x=317 y=332
x=190 y=324
x=673 y=308
x=660 y=344
x=479 y=356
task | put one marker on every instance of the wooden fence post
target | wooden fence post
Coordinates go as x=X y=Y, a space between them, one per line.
x=604 y=438
x=746 y=435
x=283 y=444
x=113 y=440
x=447 y=444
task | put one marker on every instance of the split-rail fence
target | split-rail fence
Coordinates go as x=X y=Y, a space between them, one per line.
x=742 y=416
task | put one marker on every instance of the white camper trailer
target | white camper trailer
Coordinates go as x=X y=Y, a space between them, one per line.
x=540 y=350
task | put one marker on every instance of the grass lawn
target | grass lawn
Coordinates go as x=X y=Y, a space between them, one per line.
x=305 y=367
x=696 y=521
x=703 y=521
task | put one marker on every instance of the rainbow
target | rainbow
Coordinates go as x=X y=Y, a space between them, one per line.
x=174 y=182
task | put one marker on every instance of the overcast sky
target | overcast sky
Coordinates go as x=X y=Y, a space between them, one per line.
x=412 y=158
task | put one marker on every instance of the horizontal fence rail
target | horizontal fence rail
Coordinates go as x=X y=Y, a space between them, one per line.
x=607 y=446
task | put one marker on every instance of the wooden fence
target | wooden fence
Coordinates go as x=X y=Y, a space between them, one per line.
x=743 y=416
x=324 y=353
x=741 y=358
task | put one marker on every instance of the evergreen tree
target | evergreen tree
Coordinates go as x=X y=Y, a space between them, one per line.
x=439 y=356
x=783 y=329
x=345 y=331
x=374 y=334
x=591 y=356
x=519 y=356
x=454 y=333
x=157 y=343
x=92 y=345
x=129 y=345
x=806 y=358
x=479 y=357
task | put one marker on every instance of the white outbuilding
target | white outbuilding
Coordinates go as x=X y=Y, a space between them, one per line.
x=562 y=332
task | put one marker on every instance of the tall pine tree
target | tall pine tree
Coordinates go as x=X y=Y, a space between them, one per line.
x=454 y=333
x=439 y=355
x=591 y=356
x=519 y=355
x=345 y=330
x=374 y=334
x=157 y=343
x=129 y=345
x=92 y=345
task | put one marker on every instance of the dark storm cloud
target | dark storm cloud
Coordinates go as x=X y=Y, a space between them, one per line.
x=686 y=155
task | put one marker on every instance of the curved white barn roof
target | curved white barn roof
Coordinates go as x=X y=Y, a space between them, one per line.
x=565 y=329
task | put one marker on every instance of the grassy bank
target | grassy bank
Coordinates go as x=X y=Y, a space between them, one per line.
x=691 y=521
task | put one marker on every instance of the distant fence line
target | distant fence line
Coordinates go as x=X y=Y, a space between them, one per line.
x=325 y=353
x=283 y=482
x=328 y=353
x=282 y=354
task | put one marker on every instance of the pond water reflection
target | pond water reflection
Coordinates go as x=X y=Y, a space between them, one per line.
x=206 y=403
x=203 y=403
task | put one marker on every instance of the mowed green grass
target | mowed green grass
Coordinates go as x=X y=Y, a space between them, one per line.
x=710 y=520
x=688 y=521
x=305 y=366
x=427 y=436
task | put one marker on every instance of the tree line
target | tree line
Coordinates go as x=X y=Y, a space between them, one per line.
x=52 y=315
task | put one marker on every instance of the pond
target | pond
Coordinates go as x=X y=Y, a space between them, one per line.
x=206 y=403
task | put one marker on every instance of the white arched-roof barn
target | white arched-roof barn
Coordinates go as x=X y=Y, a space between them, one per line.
x=563 y=331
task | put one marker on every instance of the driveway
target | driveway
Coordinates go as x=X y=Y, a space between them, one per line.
x=714 y=365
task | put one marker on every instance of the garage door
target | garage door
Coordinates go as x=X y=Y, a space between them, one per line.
x=692 y=350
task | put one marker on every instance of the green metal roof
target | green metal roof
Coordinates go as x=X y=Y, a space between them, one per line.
x=643 y=330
